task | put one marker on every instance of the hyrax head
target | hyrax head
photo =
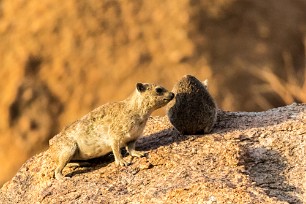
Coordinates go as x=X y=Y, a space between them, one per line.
x=153 y=96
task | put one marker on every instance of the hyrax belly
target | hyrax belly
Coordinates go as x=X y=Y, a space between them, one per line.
x=92 y=142
x=89 y=148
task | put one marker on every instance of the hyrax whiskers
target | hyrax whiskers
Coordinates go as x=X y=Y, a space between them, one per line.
x=193 y=111
x=108 y=128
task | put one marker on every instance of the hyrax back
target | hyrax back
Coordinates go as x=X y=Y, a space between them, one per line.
x=193 y=111
x=108 y=128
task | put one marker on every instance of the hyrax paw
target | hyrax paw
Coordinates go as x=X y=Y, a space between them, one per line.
x=59 y=177
x=122 y=163
x=137 y=154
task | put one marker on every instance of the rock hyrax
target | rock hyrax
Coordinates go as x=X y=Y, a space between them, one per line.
x=108 y=128
x=194 y=110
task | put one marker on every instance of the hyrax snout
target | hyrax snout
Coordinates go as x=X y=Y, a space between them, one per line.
x=108 y=128
x=193 y=111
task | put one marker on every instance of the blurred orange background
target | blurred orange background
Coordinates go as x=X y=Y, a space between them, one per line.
x=59 y=60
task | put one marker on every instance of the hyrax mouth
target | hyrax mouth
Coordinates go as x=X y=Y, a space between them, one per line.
x=170 y=97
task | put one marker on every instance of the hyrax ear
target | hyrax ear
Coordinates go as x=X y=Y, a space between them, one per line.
x=140 y=87
x=205 y=82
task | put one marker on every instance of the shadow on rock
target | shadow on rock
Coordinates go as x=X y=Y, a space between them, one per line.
x=162 y=138
x=267 y=167
x=90 y=165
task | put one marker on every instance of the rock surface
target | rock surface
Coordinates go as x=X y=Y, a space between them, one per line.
x=250 y=157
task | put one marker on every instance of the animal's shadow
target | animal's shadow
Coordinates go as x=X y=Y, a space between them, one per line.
x=266 y=168
x=90 y=165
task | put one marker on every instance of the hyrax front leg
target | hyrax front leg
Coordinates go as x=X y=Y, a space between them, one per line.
x=131 y=150
x=118 y=157
x=63 y=157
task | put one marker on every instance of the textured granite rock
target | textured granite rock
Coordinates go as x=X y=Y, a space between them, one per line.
x=250 y=157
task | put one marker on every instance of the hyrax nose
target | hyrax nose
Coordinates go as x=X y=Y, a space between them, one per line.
x=171 y=95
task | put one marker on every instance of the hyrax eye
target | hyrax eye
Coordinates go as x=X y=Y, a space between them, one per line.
x=159 y=90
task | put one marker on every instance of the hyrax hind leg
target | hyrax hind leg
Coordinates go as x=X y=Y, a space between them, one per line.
x=64 y=154
x=131 y=150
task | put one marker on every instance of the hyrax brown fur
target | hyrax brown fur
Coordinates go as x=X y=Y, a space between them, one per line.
x=108 y=128
x=193 y=111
